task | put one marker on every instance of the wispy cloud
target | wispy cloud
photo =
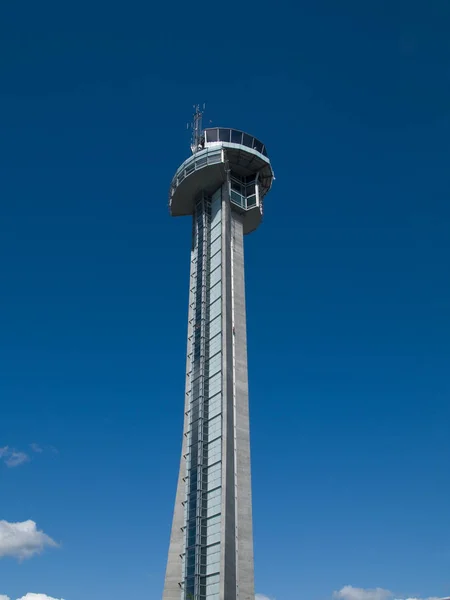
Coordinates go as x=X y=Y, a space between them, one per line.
x=4 y=597
x=12 y=457
x=22 y=540
x=262 y=597
x=36 y=448
x=348 y=592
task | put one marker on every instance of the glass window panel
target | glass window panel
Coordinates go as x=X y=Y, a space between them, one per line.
x=211 y=135
x=214 y=530
x=251 y=201
x=213 y=525
x=213 y=521
x=212 y=592
x=215 y=309
x=216 y=214
x=215 y=343
x=213 y=559
x=216 y=276
x=216 y=205
x=247 y=140
x=224 y=135
x=194 y=415
x=215 y=400
x=215 y=292
x=215 y=260
x=257 y=145
x=214 y=505
x=215 y=384
x=213 y=471
x=212 y=587
x=213 y=538
x=215 y=246
x=216 y=231
x=236 y=136
x=237 y=198
x=217 y=194
x=191 y=560
x=237 y=186
x=214 y=427
x=215 y=446
x=214 y=482
x=215 y=364
x=215 y=326
x=214 y=501
x=215 y=494
x=214 y=458
x=215 y=406
x=250 y=190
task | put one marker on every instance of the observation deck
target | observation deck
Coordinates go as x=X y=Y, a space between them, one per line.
x=224 y=155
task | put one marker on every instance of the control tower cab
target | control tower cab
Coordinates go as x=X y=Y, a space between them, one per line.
x=224 y=156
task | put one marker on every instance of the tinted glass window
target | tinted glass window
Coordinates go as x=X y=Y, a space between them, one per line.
x=236 y=136
x=237 y=198
x=224 y=135
x=211 y=135
x=236 y=186
x=258 y=146
x=247 y=140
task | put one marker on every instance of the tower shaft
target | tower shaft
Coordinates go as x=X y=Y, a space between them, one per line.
x=211 y=548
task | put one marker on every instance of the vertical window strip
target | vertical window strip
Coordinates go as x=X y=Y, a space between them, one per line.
x=204 y=471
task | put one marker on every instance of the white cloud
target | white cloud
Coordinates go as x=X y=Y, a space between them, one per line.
x=36 y=597
x=13 y=458
x=257 y=597
x=22 y=540
x=31 y=597
x=348 y=592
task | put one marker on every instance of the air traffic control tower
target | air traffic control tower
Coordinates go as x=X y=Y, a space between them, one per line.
x=222 y=186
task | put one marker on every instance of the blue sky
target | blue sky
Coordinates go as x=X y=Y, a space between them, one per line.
x=347 y=288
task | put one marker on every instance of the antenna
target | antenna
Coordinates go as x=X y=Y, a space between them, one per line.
x=196 y=127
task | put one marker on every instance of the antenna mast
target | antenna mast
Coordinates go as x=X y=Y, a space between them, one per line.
x=197 y=131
